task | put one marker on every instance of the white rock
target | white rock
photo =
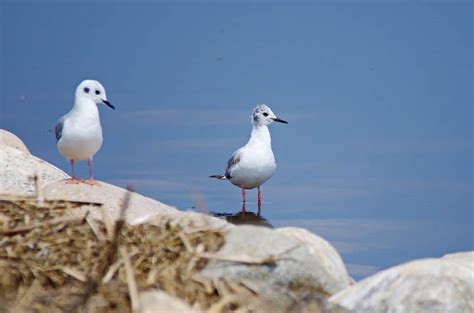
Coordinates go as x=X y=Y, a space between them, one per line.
x=111 y=197
x=17 y=170
x=140 y=209
x=11 y=140
x=330 y=268
x=427 y=285
x=18 y=167
x=295 y=271
x=157 y=301
x=192 y=221
x=463 y=258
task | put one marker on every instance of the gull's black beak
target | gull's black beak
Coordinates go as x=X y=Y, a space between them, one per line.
x=108 y=104
x=279 y=120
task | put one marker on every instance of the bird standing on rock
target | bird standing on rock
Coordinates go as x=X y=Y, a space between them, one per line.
x=253 y=164
x=79 y=133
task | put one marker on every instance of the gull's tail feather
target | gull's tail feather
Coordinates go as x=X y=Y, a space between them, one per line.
x=218 y=177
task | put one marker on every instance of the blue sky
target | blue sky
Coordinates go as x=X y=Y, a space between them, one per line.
x=377 y=155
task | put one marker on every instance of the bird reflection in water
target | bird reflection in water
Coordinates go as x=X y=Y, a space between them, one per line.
x=244 y=218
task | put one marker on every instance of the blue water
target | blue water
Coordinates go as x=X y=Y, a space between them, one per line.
x=377 y=155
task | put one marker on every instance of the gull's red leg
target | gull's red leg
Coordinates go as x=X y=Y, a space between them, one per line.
x=72 y=169
x=91 y=180
x=89 y=164
x=243 y=200
x=73 y=179
x=259 y=197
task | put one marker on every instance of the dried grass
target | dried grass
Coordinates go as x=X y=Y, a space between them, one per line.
x=54 y=259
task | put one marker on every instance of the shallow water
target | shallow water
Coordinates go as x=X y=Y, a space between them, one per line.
x=244 y=218
x=377 y=155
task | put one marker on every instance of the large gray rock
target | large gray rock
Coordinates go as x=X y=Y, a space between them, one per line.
x=139 y=209
x=286 y=303
x=157 y=301
x=192 y=221
x=18 y=168
x=8 y=139
x=463 y=258
x=314 y=304
x=331 y=269
x=280 y=268
x=443 y=285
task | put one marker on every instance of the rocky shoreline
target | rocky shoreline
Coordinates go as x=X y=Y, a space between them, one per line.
x=255 y=269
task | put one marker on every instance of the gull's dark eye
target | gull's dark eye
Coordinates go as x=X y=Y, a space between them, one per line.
x=265 y=114
x=86 y=90
x=97 y=92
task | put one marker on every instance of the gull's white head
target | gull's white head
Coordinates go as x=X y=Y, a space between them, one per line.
x=93 y=90
x=263 y=115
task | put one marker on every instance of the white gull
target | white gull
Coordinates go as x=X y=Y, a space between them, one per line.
x=253 y=164
x=79 y=133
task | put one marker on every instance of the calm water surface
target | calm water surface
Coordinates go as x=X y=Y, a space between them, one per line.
x=376 y=158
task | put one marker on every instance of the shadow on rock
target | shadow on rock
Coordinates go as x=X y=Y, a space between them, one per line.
x=241 y=218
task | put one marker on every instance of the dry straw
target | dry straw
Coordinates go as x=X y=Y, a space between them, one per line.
x=54 y=258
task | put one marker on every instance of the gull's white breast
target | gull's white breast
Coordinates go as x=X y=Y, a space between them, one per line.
x=256 y=166
x=81 y=137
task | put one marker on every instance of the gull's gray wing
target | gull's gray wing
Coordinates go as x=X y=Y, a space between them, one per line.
x=58 y=129
x=233 y=161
